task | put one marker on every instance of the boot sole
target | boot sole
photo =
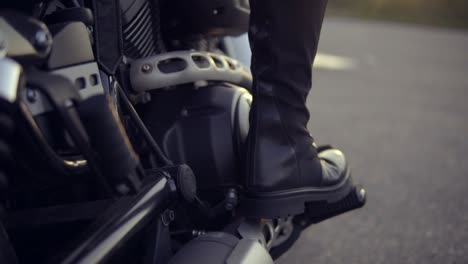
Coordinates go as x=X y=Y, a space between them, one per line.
x=292 y=202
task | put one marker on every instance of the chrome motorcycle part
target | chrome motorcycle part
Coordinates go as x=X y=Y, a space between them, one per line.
x=10 y=74
x=181 y=67
x=10 y=79
x=282 y=231
x=239 y=48
x=253 y=229
x=286 y=238
x=241 y=118
x=42 y=40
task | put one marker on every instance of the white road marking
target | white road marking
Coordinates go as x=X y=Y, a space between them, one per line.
x=334 y=62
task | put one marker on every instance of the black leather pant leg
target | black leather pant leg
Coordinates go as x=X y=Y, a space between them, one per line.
x=284 y=36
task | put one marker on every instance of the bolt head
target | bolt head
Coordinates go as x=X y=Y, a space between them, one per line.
x=42 y=41
x=31 y=95
x=146 y=68
x=361 y=194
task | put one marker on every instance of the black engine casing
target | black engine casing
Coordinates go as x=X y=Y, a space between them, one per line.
x=215 y=18
x=204 y=128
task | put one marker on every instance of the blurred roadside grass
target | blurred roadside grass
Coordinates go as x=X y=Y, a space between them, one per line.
x=444 y=13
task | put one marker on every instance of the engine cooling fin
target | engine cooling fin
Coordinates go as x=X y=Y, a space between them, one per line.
x=138 y=33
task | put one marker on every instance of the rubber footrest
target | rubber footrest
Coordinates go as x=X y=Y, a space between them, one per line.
x=317 y=212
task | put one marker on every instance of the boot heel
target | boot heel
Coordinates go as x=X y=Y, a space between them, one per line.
x=323 y=201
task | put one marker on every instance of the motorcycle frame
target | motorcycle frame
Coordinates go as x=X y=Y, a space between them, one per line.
x=123 y=220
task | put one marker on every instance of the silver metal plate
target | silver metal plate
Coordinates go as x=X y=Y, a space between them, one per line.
x=10 y=73
x=190 y=67
x=87 y=74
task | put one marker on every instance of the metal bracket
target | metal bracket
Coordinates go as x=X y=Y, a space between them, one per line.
x=179 y=67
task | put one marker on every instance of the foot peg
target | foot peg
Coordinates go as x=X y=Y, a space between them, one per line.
x=317 y=212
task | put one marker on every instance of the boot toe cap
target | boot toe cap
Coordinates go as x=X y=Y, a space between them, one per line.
x=334 y=166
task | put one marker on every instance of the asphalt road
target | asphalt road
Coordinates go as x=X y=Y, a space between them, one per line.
x=400 y=113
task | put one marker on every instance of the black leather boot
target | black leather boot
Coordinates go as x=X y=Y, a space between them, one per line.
x=284 y=168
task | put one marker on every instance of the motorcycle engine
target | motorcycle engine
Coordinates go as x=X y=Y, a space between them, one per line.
x=145 y=22
x=205 y=128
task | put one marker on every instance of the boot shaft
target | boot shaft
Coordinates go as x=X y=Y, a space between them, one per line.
x=284 y=38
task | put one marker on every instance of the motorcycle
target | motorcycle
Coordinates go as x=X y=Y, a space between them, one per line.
x=122 y=135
